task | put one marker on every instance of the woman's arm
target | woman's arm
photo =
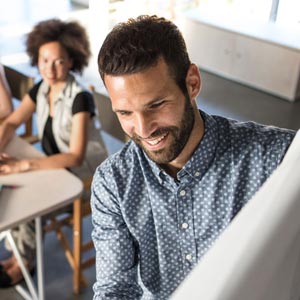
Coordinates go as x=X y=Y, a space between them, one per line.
x=5 y=96
x=74 y=157
x=15 y=119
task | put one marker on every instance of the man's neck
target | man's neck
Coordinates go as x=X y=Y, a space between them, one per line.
x=196 y=135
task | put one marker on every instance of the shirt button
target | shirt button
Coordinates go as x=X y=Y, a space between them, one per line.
x=184 y=225
x=188 y=257
x=182 y=193
x=197 y=174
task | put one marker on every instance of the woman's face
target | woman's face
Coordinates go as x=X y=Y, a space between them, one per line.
x=54 y=63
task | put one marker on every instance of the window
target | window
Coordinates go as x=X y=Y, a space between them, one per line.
x=121 y=10
x=283 y=12
x=257 y=10
x=289 y=13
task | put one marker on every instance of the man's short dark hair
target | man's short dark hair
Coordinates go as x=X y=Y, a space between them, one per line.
x=138 y=44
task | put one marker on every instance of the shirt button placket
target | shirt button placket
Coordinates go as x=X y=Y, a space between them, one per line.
x=189 y=257
x=197 y=174
x=184 y=225
x=185 y=215
x=182 y=193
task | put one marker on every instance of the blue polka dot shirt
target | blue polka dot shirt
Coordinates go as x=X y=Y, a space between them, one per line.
x=150 y=230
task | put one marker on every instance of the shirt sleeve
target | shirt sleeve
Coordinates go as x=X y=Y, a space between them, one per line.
x=34 y=90
x=278 y=145
x=83 y=102
x=116 y=249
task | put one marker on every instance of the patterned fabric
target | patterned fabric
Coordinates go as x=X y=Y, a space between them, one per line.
x=152 y=227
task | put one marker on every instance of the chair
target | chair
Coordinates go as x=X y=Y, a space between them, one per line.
x=109 y=121
x=81 y=209
x=20 y=84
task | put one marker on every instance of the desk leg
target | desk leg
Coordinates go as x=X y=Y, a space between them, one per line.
x=40 y=265
x=40 y=259
x=27 y=277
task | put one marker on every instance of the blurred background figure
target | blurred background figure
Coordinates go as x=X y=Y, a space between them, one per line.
x=5 y=96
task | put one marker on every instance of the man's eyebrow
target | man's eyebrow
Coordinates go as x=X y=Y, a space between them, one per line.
x=151 y=102
x=120 y=110
x=146 y=105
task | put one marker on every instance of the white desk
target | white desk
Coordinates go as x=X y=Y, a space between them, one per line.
x=40 y=192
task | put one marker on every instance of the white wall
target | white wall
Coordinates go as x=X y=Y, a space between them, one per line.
x=263 y=56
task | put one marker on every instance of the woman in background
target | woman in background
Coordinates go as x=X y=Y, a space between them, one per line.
x=5 y=96
x=65 y=119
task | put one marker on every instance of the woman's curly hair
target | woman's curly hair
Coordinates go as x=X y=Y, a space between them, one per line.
x=71 y=35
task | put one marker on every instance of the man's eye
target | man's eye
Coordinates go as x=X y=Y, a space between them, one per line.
x=156 y=105
x=124 y=113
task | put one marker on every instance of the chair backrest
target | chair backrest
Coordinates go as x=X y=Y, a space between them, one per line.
x=108 y=119
x=19 y=84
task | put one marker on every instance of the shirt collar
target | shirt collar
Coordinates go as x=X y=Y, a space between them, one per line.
x=201 y=158
x=204 y=154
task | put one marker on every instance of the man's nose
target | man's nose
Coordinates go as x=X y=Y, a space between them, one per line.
x=144 y=125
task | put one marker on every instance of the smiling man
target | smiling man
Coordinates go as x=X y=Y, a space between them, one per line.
x=157 y=116
x=160 y=203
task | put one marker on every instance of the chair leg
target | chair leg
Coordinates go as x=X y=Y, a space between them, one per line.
x=63 y=240
x=73 y=257
x=78 y=277
x=77 y=236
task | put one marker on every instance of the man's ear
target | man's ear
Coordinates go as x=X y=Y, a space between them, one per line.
x=193 y=81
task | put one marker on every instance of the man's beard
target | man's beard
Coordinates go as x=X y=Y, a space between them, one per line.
x=179 y=134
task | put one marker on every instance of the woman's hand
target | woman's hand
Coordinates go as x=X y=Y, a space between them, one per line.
x=10 y=164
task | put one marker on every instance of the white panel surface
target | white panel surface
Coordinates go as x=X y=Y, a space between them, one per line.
x=258 y=256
